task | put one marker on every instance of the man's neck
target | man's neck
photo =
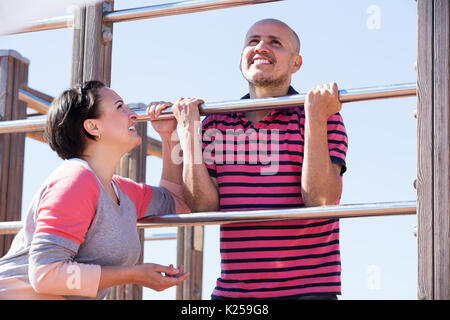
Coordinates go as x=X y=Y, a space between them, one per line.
x=259 y=93
x=268 y=92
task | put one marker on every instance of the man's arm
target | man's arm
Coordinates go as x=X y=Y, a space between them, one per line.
x=321 y=181
x=200 y=190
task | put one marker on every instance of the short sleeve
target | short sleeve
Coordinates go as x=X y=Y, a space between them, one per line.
x=148 y=200
x=209 y=133
x=67 y=207
x=337 y=140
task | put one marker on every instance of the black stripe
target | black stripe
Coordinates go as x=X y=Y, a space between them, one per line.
x=261 y=195
x=259 y=184
x=301 y=286
x=316 y=275
x=338 y=142
x=308 y=246
x=280 y=238
x=309 y=256
x=307 y=267
x=278 y=227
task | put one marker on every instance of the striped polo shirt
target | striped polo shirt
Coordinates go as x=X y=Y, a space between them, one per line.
x=259 y=166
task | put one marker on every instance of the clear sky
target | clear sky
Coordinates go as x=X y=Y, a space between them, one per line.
x=357 y=43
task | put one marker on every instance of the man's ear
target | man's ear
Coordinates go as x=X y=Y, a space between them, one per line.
x=297 y=64
x=91 y=126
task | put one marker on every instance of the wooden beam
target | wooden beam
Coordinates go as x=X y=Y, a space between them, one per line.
x=13 y=75
x=425 y=211
x=441 y=149
x=433 y=183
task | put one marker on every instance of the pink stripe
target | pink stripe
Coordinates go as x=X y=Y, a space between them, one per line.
x=279 y=275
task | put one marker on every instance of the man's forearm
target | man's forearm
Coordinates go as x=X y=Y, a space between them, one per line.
x=321 y=183
x=171 y=170
x=199 y=191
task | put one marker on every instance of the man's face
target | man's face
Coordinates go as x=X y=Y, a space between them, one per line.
x=270 y=55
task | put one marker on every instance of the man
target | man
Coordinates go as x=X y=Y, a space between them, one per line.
x=307 y=145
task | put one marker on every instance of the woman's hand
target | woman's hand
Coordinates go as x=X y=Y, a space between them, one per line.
x=158 y=277
x=162 y=127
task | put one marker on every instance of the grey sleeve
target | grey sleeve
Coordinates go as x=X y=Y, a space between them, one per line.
x=161 y=203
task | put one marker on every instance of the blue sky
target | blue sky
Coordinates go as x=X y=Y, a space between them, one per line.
x=197 y=55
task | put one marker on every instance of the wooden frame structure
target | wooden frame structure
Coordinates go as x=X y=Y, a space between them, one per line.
x=91 y=59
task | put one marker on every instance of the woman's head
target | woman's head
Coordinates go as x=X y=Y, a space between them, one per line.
x=64 y=129
x=88 y=114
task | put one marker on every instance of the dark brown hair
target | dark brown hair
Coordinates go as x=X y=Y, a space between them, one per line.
x=64 y=129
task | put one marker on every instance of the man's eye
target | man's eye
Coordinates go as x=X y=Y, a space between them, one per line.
x=276 y=42
x=253 y=42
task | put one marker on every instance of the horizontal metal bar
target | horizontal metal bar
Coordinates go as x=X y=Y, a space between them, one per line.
x=175 y=8
x=47 y=24
x=161 y=10
x=215 y=218
x=345 y=95
x=10 y=227
x=34 y=101
x=161 y=236
x=338 y=211
x=245 y=105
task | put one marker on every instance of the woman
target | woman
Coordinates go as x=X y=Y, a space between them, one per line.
x=80 y=235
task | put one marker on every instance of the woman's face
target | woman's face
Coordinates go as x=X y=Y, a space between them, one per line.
x=116 y=121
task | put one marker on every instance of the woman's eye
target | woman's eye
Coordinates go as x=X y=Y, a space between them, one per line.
x=119 y=106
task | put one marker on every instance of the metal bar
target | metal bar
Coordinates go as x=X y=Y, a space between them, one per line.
x=338 y=211
x=34 y=101
x=349 y=95
x=244 y=105
x=214 y=218
x=47 y=24
x=161 y=10
x=175 y=8
x=161 y=236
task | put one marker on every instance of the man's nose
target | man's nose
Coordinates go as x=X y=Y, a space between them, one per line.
x=261 y=46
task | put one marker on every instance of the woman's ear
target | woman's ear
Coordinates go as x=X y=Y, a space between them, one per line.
x=91 y=126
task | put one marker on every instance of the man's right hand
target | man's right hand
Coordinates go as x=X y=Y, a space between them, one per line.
x=186 y=111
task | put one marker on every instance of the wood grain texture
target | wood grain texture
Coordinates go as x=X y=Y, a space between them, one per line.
x=441 y=150
x=425 y=150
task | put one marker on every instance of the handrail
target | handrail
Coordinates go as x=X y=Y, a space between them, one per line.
x=345 y=95
x=215 y=218
x=154 y=11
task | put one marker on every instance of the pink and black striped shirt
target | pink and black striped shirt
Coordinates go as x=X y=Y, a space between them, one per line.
x=259 y=166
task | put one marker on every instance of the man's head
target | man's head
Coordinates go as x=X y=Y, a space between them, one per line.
x=271 y=54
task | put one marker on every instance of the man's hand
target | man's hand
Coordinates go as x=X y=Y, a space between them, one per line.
x=322 y=102
x=186 y=111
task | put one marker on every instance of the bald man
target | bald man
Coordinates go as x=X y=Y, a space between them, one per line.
x=270 y=159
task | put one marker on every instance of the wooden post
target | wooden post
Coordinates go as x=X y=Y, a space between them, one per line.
x=91 y=60
x=190 y=255
x=13 y=75
x=433 y=180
